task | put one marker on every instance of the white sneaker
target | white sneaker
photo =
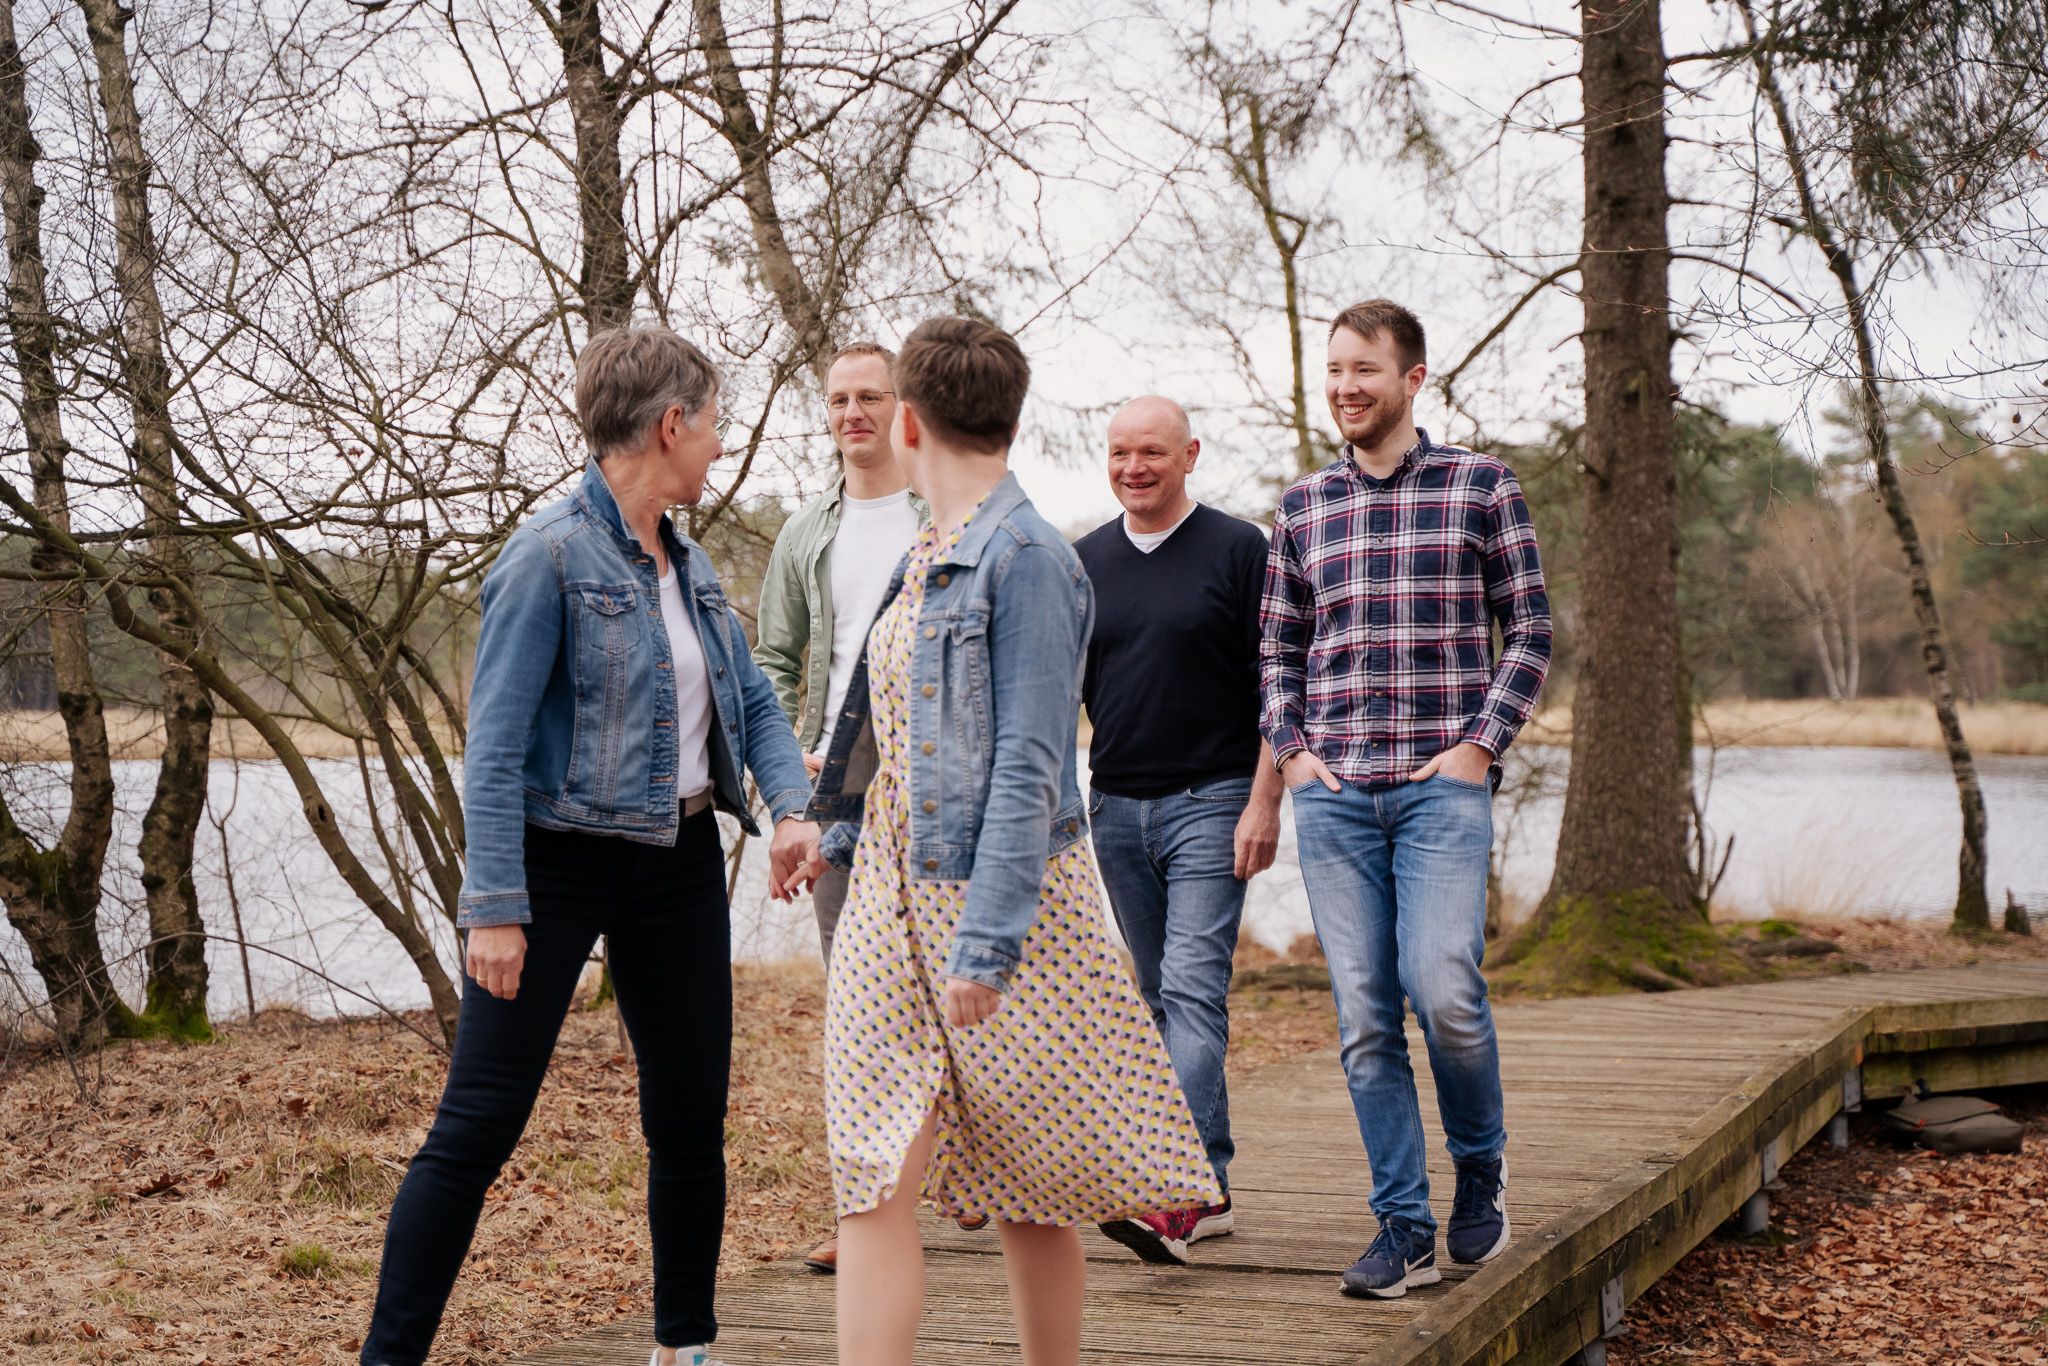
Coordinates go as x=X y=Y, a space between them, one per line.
x=699 y=1355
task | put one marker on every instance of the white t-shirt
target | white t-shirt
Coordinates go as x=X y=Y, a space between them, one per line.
x=873 y=534
x=693 y=691
x=1149 y=541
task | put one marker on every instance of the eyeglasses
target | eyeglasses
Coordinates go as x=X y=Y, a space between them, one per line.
x=868 y=399
x=722 y=426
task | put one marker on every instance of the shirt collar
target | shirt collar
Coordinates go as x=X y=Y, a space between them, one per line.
x=1411 y=458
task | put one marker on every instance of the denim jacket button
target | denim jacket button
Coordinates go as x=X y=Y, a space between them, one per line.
x=931 y=633
x=930 y=807
x=929 y=690
x=931 y=865
x=927 y=748
x=943 y=580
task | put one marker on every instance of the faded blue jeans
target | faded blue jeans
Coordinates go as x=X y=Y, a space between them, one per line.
x=1396 y=885
x=1170 y=866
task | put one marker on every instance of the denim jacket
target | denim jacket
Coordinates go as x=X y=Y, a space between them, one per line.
x=572 y=715
x=994 y=786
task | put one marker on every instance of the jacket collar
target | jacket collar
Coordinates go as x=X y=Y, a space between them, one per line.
x=836 y=497
x=1002 y=500
x=596 y=495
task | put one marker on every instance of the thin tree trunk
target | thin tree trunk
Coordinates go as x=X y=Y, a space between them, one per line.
x=752 y=145
x=1973 y=903
x=176 y=957
x=1852 y=630
x=1255 y=172
x=606 y=283
x=53 y=895
x=319 y=812
x=1624 y=827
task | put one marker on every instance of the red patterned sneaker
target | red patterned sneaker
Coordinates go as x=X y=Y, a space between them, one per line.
x=1213 y=1221
x=1160 y=1238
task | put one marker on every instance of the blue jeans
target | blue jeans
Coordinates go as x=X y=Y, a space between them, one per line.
x=1397 y=889
x=1170 y=866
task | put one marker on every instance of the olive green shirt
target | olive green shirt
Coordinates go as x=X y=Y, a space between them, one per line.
x=794 y=626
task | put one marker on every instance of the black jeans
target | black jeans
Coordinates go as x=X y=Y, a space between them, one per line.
x=671 y=952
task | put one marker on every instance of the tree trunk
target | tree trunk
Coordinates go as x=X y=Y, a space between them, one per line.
x=53 y=895
x=1255 y=173
x=752 y=146
x=1973 y=903
x=1624 y=828
x=176 y=958
x=606 y=283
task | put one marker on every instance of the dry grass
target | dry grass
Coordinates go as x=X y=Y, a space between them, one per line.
x=1875 y=722
x=224 y=1203
x=1883 y=945
x=136 y=734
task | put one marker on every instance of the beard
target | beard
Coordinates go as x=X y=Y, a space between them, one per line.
x=1380 y=419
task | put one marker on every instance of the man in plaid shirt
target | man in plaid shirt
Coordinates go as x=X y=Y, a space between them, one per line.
x=1388 y=713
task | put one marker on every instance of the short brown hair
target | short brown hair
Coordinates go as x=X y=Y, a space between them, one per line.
x=966 y=379
x=862 y=348
x=628 y=377
x=1376 y=316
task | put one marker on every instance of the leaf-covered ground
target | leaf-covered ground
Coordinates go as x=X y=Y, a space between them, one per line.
x=224 y=1203
x=1881 y=1254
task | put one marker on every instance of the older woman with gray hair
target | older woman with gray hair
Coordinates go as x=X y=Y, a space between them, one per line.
x=615 y=707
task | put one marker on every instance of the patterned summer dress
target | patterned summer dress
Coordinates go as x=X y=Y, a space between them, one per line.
x=1061 y=1108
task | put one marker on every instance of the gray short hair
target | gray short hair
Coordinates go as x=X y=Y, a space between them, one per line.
x=628 y=377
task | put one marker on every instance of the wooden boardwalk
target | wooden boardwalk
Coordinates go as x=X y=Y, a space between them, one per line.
x=1636 y=1125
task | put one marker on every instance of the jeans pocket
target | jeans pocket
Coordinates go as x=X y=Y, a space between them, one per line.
x=1301 y=789
x=1460 y=782
x=1095 y=796
x=1235 y=791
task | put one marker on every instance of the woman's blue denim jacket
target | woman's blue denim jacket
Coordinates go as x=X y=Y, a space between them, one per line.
x=994 y=785
x=572 y=717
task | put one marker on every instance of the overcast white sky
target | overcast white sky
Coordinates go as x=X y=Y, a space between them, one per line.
x=1393 y=234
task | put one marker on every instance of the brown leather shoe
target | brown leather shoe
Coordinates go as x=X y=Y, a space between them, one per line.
x=973 y=1223
x=825 y=1256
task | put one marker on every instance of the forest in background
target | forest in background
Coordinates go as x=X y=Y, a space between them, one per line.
x=294 y=299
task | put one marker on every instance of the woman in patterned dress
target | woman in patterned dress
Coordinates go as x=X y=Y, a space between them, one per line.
x=983 y=1044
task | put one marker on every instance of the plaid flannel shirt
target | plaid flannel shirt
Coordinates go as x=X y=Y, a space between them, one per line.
x=1376 y=650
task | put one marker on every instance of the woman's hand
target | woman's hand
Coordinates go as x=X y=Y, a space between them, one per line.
x=793 y=862
x=496 y=954
x=969 y=1003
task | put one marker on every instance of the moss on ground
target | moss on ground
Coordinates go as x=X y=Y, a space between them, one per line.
x=165 y=1018
x=1625 y=941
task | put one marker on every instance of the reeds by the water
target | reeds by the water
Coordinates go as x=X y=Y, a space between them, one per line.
x=1872 y=722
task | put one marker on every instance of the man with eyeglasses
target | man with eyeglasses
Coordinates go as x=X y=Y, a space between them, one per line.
x=826 y=579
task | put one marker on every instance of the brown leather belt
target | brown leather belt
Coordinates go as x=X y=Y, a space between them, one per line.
x=694 y=804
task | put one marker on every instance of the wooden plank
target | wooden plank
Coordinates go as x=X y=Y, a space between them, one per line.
x=1635 y=1125
x=1955 y=1069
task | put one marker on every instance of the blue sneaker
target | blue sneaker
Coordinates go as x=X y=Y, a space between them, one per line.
x=1397 y=1259
x=1479 y=1213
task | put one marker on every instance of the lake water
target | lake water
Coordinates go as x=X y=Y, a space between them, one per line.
x=1815 y=831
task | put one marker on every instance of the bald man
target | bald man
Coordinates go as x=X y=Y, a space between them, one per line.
x=1184 y=801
